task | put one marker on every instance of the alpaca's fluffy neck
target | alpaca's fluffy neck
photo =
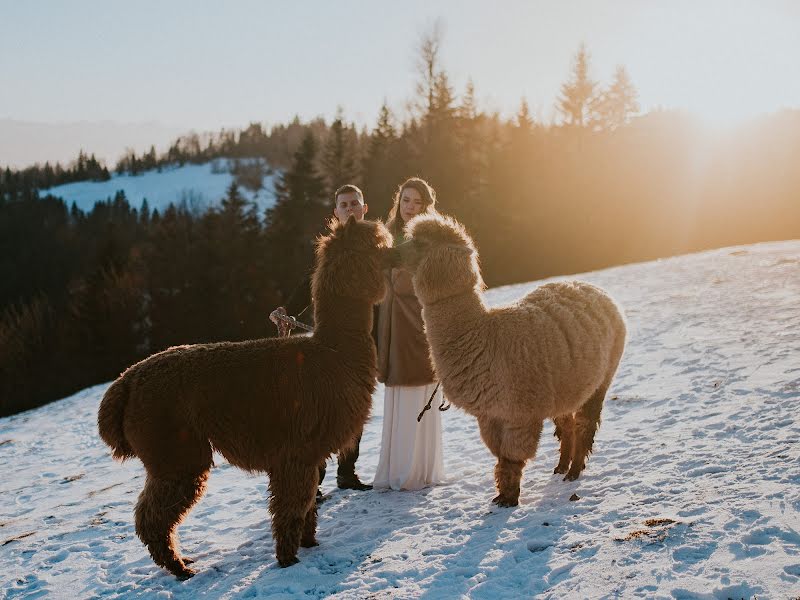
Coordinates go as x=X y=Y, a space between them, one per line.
x=449 y=318
x=342 y=323
x=450 y=323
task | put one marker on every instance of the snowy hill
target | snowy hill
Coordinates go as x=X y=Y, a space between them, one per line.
x=693 y=490
x=199 y=186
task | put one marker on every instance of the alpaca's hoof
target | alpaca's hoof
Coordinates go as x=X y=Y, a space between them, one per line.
x=309 y=543
x=504 y=502
x=288 y=562
x=178 y=568
x=183 y=573
x=560 y=469
x=572 y=476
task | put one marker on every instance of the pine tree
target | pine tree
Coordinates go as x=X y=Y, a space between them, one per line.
x=144 y=213
x=385 y=131
x=443 y=100
x=578 y=99
x=472 y=150
x=431 y=139
x=80 y=166
x=383 y=165
x=440 y=159
x=298 y=215
x=524 y=119
x=240 y=213
x=235 y=272
x=149 y=160
x=252 y=141
x=176 y=264
x=428 y=58
x=468 y=108
x=339 y=155
x=619 y=102
x=75 y=214
x=435 y=101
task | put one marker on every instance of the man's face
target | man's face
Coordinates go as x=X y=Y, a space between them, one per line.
x=348 y=203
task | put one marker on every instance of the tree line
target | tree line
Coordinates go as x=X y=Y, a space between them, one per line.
x=82 y=295
x=25 y=183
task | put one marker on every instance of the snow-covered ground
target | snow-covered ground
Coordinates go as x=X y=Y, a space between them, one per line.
x=693 y=490
x=199 y=186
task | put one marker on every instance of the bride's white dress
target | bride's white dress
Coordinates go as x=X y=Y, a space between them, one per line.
x=411 y=452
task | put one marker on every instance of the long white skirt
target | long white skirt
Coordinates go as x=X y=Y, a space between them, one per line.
x=411 y=452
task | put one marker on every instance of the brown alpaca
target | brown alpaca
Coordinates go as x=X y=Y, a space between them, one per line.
x=277 y=405
x=552 y=354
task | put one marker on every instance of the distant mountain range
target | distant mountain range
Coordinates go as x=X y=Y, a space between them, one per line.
x=23 y=143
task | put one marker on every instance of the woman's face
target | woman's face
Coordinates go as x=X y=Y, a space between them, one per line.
x=411 y=204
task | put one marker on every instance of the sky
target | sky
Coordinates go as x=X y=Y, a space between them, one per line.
x=204 y=65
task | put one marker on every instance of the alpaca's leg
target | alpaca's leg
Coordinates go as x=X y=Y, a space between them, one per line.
x=587 y=420
x=309 y=537
x=162 y=505
x=565 y=432
x=293 y=486
x=177 y=470
x=507 y=478
x=513 y=445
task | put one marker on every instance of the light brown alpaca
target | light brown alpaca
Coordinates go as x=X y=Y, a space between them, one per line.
x=280 y=406
x=552 y=354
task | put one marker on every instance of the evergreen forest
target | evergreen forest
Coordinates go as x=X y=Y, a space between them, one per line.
x=85 y=294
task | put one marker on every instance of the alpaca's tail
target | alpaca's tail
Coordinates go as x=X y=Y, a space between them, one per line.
x=110 y=419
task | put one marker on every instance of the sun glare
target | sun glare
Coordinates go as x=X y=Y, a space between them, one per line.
x=724 y=63
x=732 y=87
x=728 y=101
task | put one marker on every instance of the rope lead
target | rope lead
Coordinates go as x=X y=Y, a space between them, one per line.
x=428 y=405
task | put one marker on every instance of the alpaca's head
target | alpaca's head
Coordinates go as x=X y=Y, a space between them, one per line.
x=351 y=260
x=441 y=256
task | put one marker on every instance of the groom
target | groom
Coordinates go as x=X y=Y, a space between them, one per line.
x=348 y=201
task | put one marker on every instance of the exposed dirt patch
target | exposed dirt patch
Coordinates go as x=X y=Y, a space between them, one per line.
x=658 y=522
x=98 y=519
x=105 y=489
x=18 y=537
x=71 y=478
x=658 y=534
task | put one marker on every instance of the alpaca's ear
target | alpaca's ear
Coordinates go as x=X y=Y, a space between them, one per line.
x=348 y=226
x=333 y=225
x=321 y=243
x=383 y=238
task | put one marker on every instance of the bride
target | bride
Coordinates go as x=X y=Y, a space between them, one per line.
x=411 y=452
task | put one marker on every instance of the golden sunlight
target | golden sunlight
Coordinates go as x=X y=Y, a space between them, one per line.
x=724 y=63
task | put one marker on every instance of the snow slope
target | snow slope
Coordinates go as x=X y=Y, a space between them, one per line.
x=200 y=186
x=693 y=490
